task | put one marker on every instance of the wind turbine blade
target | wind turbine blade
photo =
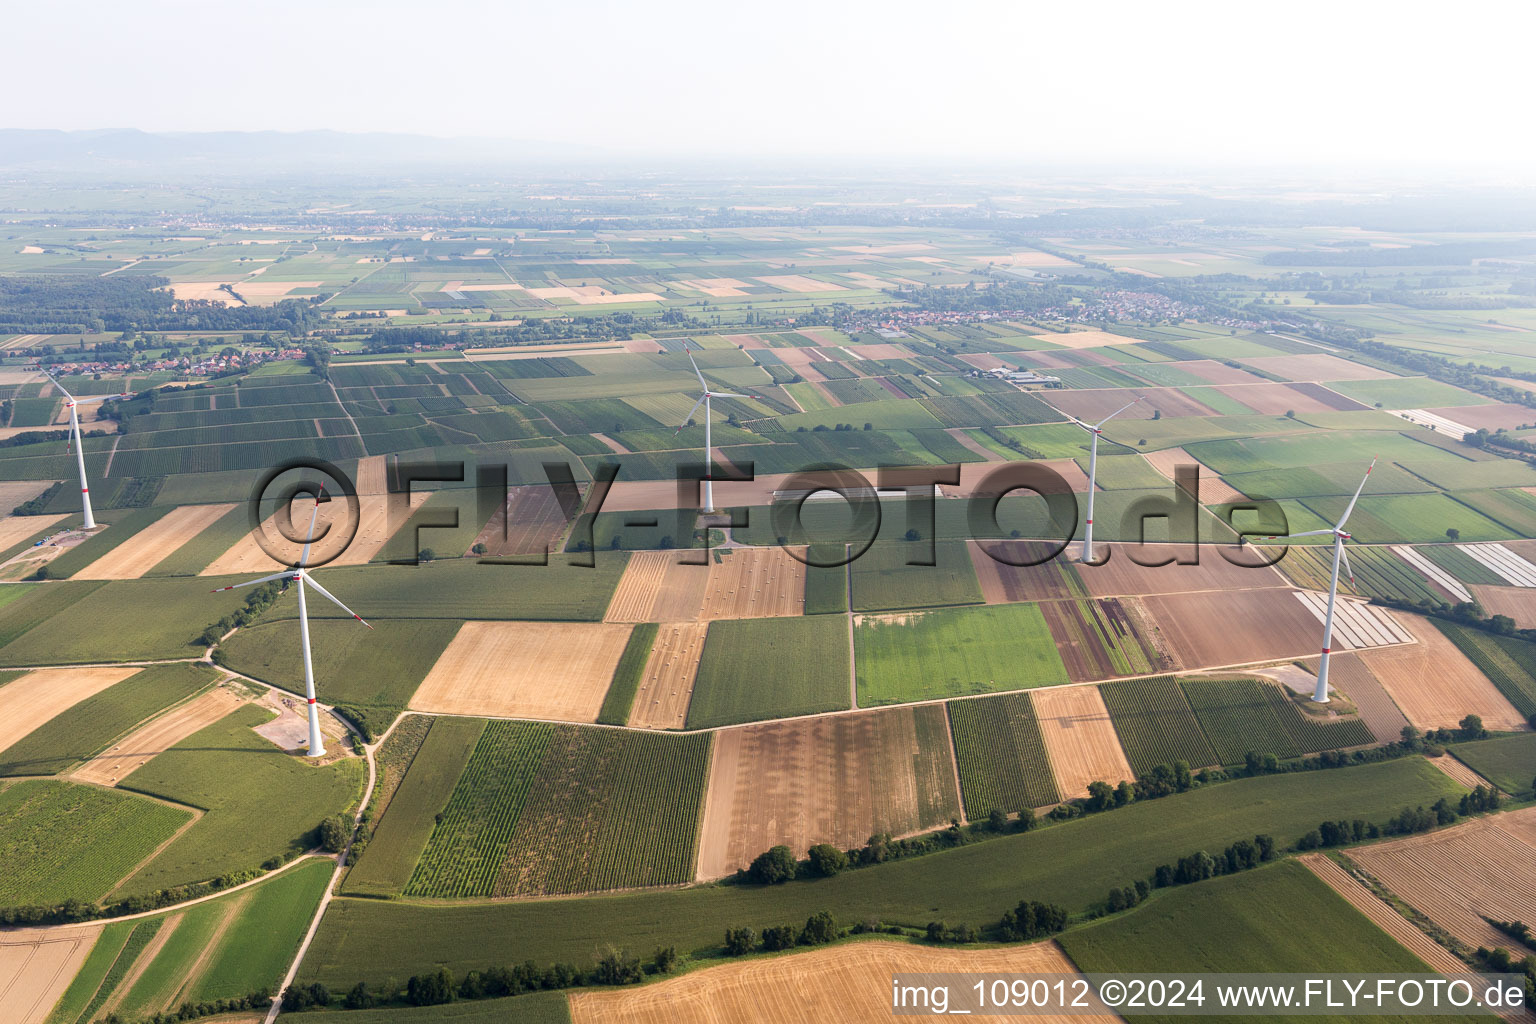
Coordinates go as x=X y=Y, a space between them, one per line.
x=725 y=394
x=100 y=398
x=309 y=538
x=1344 y=554
x=1309 y=533
x=311 y=581
x=1117 y=412
x=695 y=409
x=286 y=574
x=59 y=385
x=696 y=372
x=1356 y=498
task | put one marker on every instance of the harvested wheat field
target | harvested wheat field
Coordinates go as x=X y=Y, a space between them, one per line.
x=133 y=751
x=661 y=702
x=14 y=492
x=35 y=698
x=37 y=965
x=15 y=529
x=1382 y=915
x=1436 y=685
x=1002 y=583
x=1460 y=772
x=657 y=587
x=1233 y=627
x=1519 y=603
x=1085 y=339
x=1120 y=576
x=548 y=670
x=1079 y=738
x=1460 y=875
x=850 y=984
x=1213 y=489
x=1215 y=372
x=831 y=779
x=153 y=544
x=529 y=523
x=754 y=583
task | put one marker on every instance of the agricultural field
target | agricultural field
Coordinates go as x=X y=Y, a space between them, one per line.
x=1075 y=863
x=952 y=652
x=1243 y=715
x=1156 y=724
x=1508 y=762
x=1436 y=684
x=834 y=779
x=1508 y=663
x=1379 y=572
x=809 y=670
x=1080 y=739
x=883 y=581
x=63 y=841
x=1103 y=638
x=543 y=809
x=1001 y=755
x=257 y=802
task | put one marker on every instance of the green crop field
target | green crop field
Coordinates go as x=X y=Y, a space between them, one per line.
x=882 y=581
x=1378 y=573
x=258 y=947
x=1279 y=917
x=826 y=589
x=1508 y=762
x=753 y=669
x=543 y=809
x=1001 y=755
x=62 y=841
x=1072 y=864
x=626 y=675
x=120 y=631
x=370 y=673
x=1155 y=723
x=400 y=836
x=141 y=934
x=1510 y=664
x=259 y=801
x=109 y=944
x=1243 y=715
x=463 y=589
x=87 y=728
x=1409 y=518
x=36 y=604
x=1406 y=393
x=952 y=652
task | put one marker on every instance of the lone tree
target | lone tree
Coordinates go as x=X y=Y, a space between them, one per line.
x=774 y=866
x=1453 y=533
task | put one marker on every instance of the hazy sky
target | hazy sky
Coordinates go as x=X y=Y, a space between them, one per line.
x=1208 y=82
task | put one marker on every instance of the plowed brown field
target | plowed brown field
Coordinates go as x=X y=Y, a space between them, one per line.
x=37 y=965
x=1213 y=489
x=1435 y=684
x=547 y=670
x=151 y=545
x=1270 y=399
x=1234 y=627
x=835 y=779
x=1121 y=577
x=1002 y=583
x=1519 y=603
x=1354 y=678
x=134 y=751
x=661 y=702
x=1079 y=738
x=848 y=984
x=1459 y=876
x=35 y=698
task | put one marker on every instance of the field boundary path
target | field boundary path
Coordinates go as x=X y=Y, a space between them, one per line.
x=853 y=658
x=347 y=413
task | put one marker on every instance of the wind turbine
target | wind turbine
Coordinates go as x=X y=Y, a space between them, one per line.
x=1320 y=695
x=79 y=444
x=301 y=576
x=1093 y=465
x=709 y=485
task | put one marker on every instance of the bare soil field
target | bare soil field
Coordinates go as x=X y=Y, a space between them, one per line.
x=1079 y=738
x=15 y=529
x=1499 y=416
x=37 y=965
x=799 y=283
x=134 y=751
x=835 y=779
x=1002 y=583
x=1436 y=685
x=1075 y=627
x=1271 y=399
x=655 y=587
x=1328 y=397
x=1354 y=678
x=982 y=360
x=536 y=523
x=1227 y=627
x=29 y=701
x=1086 y=339
x=1120 y=576
x=1216 y=372
x=153 y=544
x=1319 y=367
x=1519 y=603
x=1382 y=915
x=661 y=701
x=752 y=583
x=849 y=984
x=1092 y=406
x=547 y=670
x=1460 y=875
